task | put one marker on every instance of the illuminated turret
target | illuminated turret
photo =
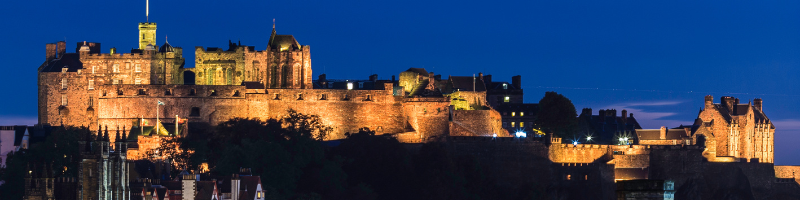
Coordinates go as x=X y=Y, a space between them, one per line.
x=147 y=34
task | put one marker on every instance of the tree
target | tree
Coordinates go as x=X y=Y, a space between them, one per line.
x=557 y=115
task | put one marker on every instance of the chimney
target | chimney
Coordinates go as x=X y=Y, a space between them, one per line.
x=480 y=75
x=393 y=79
x=516 y=81
x=373 y=77
x=624 y=116
x=61 y=48
x=709 y=101
x=601 y=114
x=612 y=114
x=757 y=103
x=50 y=51
x=322 y=77
x=728 y=103
x=663 y=134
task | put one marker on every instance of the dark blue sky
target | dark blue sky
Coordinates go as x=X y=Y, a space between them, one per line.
x=655 y=58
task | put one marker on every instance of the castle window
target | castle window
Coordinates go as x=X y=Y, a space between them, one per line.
x=64 y=69
x=127 y=65
x=213 y=93
x=360 y=85
x=91 y=102
x=512 y=124
x=137 y=81
x=569 y=177
x=119 y=92
x=349 y=86
x=94 y=68
x=91 y=84
x=115 y=68
x=114 y=81
x=142 y=92
x=513 y=114
x=258 y=194
x=521 y=114
x=195 y=112
x=105 y=93
x=323 y=97
x=236 y=93
x=63 y=83
x=505 y=86
x=346 y=97
x=505 y=99
x=137 y=68
x=192 y=92
x=585 y=177
x=277 y=97
x=168 y=92
x=63 y=99
x=299 y=96
x=521 y=124
x=369 y=97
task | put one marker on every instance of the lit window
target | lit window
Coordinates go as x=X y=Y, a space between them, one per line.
x=94 y=68
x=521 y=114
x=91 y=84
x=63 y=100
x=506 y=99
x=127 y=65
x=360 y=85
x=63 y=84
x=512 y=124
x=91 y=103
x=138 y=81
x=349 y=86
x=569 y=177
x=259 y=194
x=138 y=67
x=115 y=68
x=114 y=81
x=505 y=87
x=521 y=124
x=513 y=114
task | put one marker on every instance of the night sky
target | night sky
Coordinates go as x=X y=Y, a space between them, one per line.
x=657 y=59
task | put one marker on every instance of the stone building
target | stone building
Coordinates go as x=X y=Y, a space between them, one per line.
x=734 y=130
x=103 y=168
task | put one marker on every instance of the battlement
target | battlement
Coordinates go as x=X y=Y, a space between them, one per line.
x=676 y=147
x=497 y=139
x=147 y=23
x=585 y=146
x=171 y=91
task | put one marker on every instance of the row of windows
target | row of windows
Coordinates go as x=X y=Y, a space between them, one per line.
x=514 y=114
x=64 y=84
x=514 y=124
x=115 y=68
x=324 y=97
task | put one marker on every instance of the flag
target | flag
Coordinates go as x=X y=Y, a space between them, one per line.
x=160 y=103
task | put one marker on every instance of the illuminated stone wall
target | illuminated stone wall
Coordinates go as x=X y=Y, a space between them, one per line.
x=745 y=134
x=479 y=123
x=274 y=69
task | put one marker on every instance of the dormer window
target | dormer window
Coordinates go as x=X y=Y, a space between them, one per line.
x=505 y=86
x=360 y=85
x=349 y=86
x=506 y=99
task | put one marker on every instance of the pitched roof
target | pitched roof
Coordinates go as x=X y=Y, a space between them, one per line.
x=71 y=61
x=284 y=41
x=204 y=190
x=250 y=184
x=467 y=83
x=418 y=70
x=166 y=48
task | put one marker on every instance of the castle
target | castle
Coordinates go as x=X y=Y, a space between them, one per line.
x=472 y=114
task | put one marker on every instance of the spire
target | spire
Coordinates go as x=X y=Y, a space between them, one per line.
x=105 y=135
x=117 y=139
x=99 y=134
x=272 y=37
x=124 y=135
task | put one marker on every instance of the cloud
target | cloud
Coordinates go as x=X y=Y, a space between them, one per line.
x=787 y=124
x=17 y=120
x=645 y=113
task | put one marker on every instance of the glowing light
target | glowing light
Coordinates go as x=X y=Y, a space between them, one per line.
x=521 y=134
x=588 y=138
x=494 y=135
x=575 y=143
x=349 y=86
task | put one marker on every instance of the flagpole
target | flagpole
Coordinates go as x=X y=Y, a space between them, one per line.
x=157 y=117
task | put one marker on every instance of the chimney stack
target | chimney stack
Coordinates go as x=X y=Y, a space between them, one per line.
x=480 y=75
x=709 y=102
x=624 y=116
x=50 y=51
x=517 y=82
x=601 y=114
x=758 y=103
x=663 y=134
x=586 y=112
x=373 y=77
x=728 y=103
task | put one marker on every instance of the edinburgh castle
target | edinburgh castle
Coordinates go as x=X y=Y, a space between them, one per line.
x=148 y=94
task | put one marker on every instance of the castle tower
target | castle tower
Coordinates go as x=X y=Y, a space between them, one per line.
x=147 y=34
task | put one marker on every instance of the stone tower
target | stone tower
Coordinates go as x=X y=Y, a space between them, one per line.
x=147 y=34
